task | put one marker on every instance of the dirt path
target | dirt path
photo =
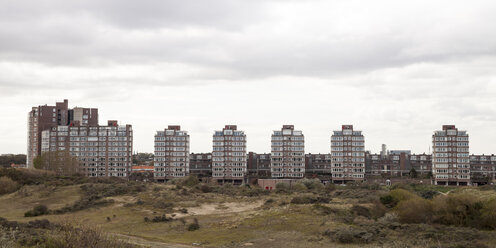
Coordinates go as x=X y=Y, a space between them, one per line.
x=223 y=208
x=149 y=244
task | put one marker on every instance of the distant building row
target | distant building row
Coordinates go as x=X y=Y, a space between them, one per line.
x=106 y=150
x=229 y=155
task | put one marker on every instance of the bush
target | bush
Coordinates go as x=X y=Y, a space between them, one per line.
x=299 y=187
x=309 y=199
x=37 y=211
x=428 y=194
x=189 y=181
x=324 y=210
x=7 y=185
x=206 y=188
x=330 y=187
x=82 y=204
x=282 y=187
x=417 y=210
x=352 y=235
x=312 y=184
x=194 y=226
x=163 y=205
x=162 y=218
x=488 y=213
x=395 y=196
x=460 y=209
x=377 y=210
x=82 y=236
x=255 y=191
x=361 y=211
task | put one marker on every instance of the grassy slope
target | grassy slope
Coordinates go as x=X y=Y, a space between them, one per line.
x=277 y=226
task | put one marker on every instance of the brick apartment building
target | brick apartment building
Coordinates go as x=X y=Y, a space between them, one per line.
x=287 y=153
x=45 y=117
x=348 y=155
x=171 y=158
x=101 y=150
x=450 y=156
x=229 y=155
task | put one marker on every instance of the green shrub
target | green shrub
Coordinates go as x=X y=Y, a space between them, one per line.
x=161 y=218
x=7 y=185
x=37 y=211
x=428 y=194
x=299 y=187
x=395 y=196
x=194 y=226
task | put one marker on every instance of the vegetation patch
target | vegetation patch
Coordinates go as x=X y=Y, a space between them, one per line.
x=310 y=199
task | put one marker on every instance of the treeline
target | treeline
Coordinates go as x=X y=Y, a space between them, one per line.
x=7 y=160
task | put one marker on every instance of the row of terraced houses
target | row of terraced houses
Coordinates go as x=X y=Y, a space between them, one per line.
x=106 y=150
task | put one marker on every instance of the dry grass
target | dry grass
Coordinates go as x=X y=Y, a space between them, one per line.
x=240 y=221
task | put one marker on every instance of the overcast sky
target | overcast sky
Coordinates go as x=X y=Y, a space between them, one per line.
x=396 y=70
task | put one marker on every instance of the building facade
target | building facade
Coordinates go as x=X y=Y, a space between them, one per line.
x=397 y=164
x=45 y=117
x=229 y=155
x=450 y=157
x=318 y=164
x=171 y=158
x=258 y=165
x=102 y=151
x=348 y=155
x=482 y=169
x=200 y=164
x=287 y=153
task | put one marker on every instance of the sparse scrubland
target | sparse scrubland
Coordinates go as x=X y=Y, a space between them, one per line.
x=39 y=209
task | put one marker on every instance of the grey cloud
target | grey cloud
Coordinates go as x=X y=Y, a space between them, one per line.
x=240 y=37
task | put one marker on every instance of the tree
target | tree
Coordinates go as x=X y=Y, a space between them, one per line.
x=7 y=160
x=413 y=173
x=60 y=162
